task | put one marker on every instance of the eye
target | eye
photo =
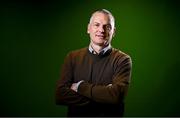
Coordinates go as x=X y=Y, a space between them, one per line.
x=96 y=24
x=108 y=27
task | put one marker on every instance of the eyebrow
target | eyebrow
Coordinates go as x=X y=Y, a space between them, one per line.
x=104 y=24
x=96 y=22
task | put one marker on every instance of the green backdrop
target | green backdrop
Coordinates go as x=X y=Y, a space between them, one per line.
x=36 y=36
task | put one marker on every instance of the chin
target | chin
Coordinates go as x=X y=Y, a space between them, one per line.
x=101 y=43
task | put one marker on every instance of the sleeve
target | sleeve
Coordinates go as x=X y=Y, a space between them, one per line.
x=116 y=91
x=64 y=95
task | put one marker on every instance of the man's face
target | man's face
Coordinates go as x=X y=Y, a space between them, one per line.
x=100 y=29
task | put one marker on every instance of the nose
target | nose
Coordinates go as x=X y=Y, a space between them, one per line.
x=101 y=29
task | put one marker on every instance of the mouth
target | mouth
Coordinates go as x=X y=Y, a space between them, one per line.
x=100 y=36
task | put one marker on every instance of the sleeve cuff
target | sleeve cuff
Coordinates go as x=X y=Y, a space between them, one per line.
x=77 y=85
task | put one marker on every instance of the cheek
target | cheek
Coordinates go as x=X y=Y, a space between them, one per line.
x=92 y=35
x=110 y=33
x=92 y=29
x=92 y=32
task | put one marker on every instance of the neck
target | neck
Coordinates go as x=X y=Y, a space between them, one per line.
x=97 y=48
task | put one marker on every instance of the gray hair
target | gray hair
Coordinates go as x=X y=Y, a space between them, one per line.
x=104 y=11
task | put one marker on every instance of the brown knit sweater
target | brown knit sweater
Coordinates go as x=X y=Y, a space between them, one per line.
x=106 y=79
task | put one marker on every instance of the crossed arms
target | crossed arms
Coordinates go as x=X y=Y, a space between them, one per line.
x=67 y=92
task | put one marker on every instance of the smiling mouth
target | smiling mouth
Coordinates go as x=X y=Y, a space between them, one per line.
x=100 y=36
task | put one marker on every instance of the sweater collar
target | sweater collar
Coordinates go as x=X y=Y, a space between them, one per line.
x=102 y=52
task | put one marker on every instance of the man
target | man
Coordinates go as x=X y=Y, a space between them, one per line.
x=94 y=80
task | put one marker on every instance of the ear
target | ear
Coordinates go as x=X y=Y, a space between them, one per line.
x=88 y=27
x=114 y=32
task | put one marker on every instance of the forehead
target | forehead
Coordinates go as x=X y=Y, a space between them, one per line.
x=101 y=18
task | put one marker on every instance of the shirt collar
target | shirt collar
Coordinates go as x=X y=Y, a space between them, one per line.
x=103 y=51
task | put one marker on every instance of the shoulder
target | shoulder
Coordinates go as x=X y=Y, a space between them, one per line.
x=78 y=52
x=120 y=57
x=75 y=55
x=119 y=53
x=81 y=50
